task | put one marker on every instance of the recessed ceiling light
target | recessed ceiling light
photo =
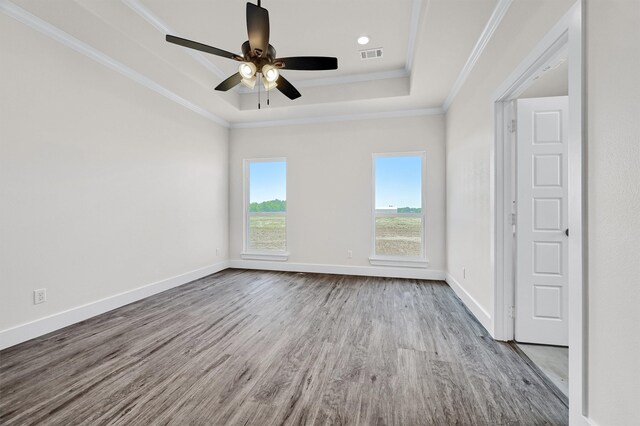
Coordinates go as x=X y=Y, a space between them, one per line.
x=363 y=40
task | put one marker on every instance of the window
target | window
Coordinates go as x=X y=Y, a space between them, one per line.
x=266 y=209
x=398 y=216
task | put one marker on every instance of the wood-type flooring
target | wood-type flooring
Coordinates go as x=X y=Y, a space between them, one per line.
x=267 y=348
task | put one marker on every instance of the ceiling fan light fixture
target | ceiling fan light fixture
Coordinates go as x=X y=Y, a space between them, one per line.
x=269 y=85
x=270 y=73
x=249 y=82
x=247 y=69
x=362 y=40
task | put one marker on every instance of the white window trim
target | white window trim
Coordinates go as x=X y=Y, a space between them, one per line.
x=399 y=261
x=277 y=255
x=408 y=262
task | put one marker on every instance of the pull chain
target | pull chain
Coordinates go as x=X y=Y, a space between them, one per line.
x=258 y=94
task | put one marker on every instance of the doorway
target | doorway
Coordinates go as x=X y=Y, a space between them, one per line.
x=563 y=41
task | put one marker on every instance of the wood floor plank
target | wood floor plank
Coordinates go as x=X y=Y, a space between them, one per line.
x=274 y=348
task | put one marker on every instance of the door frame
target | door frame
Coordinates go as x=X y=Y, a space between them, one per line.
x=566 y=37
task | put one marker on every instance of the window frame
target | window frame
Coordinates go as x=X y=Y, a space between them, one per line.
x=405 y=261
x=252 y=254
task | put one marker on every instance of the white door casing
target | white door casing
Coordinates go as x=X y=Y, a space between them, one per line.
x=541 y=224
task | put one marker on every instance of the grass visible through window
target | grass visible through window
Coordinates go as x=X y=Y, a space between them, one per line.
x=398 y=236
x=267 y=232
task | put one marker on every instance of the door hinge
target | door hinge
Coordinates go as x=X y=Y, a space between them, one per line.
x=514 y=126
x=512 y=312
x=513 y=218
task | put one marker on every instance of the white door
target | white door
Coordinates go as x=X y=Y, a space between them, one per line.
x=541 y=221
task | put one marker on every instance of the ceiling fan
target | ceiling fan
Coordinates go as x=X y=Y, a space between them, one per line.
x=259 y=57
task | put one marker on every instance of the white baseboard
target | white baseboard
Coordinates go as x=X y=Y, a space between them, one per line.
x=390 y=272
x=42 y=326
x=581 y=420
x=478 y=311
x=22 y=333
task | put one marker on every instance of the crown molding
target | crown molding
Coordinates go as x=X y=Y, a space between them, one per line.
x=416 y=7
x=494 y=21
x=68 y=40
x=339 y=118
x=165 y=29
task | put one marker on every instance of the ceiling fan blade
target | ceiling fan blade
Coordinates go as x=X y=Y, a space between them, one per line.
x=202 y=47
x=230 y=82
x=258 y=29
x=309 y=63
x=287 y=88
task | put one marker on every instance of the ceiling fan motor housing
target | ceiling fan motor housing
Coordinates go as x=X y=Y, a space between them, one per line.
x=256 y=57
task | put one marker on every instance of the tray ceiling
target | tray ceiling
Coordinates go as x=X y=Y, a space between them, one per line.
x=426 y=44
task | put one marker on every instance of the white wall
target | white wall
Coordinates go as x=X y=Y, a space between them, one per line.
x=613 y=102
x=469 y=141
x=105 y=186
x=329 y=187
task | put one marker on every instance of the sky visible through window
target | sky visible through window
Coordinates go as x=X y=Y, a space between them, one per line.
x=399 y=182
x=267 y=181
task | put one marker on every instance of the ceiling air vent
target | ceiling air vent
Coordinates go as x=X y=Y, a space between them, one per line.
x=371 y=53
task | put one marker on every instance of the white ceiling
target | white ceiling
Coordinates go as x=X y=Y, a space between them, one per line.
x=319 y=28
x=426 y=45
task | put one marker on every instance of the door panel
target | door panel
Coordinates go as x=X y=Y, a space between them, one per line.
x=547 y=214
x=547 y=302
x=547 y=170
x=541 y=208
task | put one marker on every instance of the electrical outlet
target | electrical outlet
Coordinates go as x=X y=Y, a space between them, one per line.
x=464 y=273
x=217 y=251
x=350 y=254
x=39 y=296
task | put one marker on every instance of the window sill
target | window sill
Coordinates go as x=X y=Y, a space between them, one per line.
x=394 y=261
x=265 y=256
